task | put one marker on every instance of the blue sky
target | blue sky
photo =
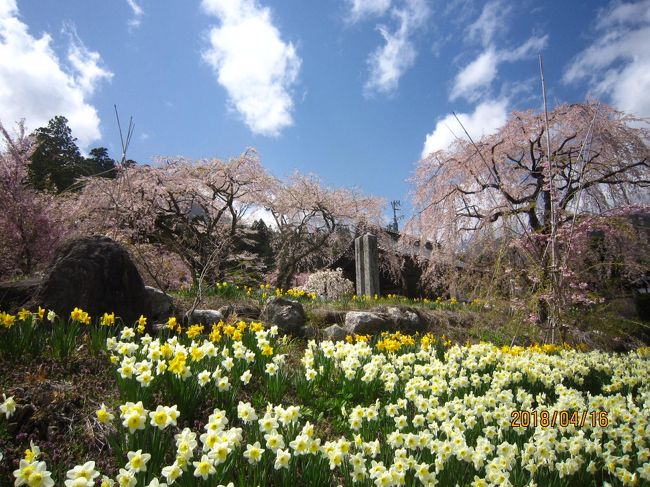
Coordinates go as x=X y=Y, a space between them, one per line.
x=355 y=91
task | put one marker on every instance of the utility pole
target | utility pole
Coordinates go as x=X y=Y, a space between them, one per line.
x=395 y=205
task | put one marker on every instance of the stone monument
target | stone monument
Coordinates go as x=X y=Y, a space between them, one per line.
x=366 y=262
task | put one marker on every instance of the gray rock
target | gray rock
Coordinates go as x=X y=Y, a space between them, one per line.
x=15 y=294
x=288 y=315
x=309 y=332
x=366 y=323
x=382 y=319
x=405 y=319
x=335 y=333
x=160 y=303
x=206 y=316
x=242 y=310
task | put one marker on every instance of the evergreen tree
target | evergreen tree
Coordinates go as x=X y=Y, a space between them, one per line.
x=56 y=162
x=100 y=164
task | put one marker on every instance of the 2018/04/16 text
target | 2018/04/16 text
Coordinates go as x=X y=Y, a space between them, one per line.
x=545 y=419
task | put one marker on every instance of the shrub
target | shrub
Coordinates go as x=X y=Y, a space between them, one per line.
x=29 y=227
x=329 y=284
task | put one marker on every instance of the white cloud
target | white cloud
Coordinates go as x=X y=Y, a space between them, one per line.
x=37 y=86
x=485 y=119
x=478 y=75
x=389 y=62
x=617 y=64
x=136 y=20
x=360 y=9
x=475 y=75
x=87 y=64
x=251 y=61
x=474 y=80
x=626 y=13
x=533 y=46
x=491 y=21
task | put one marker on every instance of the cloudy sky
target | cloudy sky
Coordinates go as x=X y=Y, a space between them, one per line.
x=355 y=91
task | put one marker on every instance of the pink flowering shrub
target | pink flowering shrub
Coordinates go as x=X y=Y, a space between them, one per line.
x=30 y=225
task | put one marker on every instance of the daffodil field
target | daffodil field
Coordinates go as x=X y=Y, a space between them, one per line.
x=235 y=404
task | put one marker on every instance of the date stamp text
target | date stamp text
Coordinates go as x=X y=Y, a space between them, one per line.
x=550 y=419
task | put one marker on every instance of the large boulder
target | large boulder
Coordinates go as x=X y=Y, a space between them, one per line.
x=406 y=319
x=250 y=311
x=15 y=294
x=97 y=275
x=382 y=319
x=367 y=322
x=310 y=332
x=206 y=316
x=288 y=315
x=160 y=304
x=335 y=333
